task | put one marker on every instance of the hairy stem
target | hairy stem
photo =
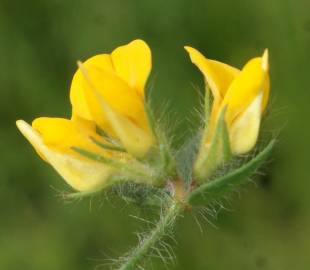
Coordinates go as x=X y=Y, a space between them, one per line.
x=165 y=223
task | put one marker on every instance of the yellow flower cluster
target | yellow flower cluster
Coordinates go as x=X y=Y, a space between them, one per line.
x=109 y=117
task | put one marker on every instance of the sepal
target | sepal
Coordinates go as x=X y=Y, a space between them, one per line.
x=213 y=153
x=128 y=169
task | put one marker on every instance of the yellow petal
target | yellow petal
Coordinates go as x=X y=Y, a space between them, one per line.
x=266 y=82
x=61 y=134
x=218 y=75
x=77 y=93
x=247 y=85
x=243 y=132
x=82 y=175
x=133 y=62
x=84 y=124
x=135 y=139
x=120 y=96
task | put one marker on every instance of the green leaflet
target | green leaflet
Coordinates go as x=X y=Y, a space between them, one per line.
x=217 y=152
x=216 y=188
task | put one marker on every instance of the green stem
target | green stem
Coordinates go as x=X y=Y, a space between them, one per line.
x=164 y=224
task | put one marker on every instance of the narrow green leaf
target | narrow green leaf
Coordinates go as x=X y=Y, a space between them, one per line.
x=99 y=158
x=103 y=134
x=151 y=118
x=216 y=188
x=108 y=146
x=107 y=136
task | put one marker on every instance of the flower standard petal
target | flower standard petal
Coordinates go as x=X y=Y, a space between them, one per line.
x=135 y=139
x=100 y=62
x=113 y=89
x=119 y=79
x=218 y=75
x=133 y=62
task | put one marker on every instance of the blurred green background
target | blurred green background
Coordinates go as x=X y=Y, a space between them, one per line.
x=266 y=226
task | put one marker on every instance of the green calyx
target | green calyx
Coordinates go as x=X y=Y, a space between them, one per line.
x=213 y=153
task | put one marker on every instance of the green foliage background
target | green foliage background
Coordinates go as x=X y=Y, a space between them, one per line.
x=266 y=227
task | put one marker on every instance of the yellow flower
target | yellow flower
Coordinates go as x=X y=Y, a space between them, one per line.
x=109 y=90
x=242 y=93
x=107 y=94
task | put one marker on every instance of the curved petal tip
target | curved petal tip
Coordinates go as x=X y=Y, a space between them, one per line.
x=265 y=60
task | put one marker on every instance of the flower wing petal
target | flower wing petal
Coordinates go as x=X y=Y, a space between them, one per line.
x=135 y=139
x=82 y=175
x=244 y=89
x=62 y=134
x=244 y=131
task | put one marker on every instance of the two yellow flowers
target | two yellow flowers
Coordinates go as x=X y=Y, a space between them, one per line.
x=110 y=135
